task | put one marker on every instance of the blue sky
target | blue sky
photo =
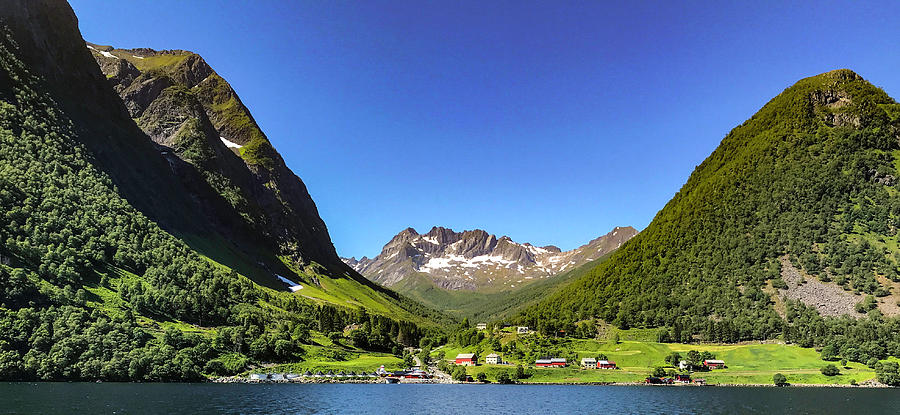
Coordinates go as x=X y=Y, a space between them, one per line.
x=551 y=122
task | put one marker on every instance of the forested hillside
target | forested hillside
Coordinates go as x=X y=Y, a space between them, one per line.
x=812 y=177
x=92 y=287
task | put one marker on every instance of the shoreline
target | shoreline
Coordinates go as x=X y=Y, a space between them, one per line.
x=867 y=385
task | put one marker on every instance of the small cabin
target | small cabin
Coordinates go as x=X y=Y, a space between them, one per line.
x=522 y=330
x=259 y=376
x=481 y=326
x=466 y=359
x=683 y=378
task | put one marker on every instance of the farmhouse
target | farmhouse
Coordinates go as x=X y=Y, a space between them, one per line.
x=552 y=362
x=588 y=363
x=606 y=364
x=714 y=364
x=493 y=359
x=466 y=359
x=481 y=326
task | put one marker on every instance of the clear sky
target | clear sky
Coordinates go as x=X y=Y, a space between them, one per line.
x=551 y=122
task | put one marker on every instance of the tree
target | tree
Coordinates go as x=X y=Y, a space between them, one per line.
x=673 y=359
x=830 y=370
x=408 y=360
x=693 y=358
x=888 y=373
x=481 y=377
x=459 y=373
x=779 y=379
x=504 y=378
x=844 y=362
x=658 y=372
x=829 y=352
x=520 y=372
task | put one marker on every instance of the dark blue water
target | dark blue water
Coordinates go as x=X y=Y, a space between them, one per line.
x=127 y=398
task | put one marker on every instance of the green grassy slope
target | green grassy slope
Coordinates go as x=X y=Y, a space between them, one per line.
x=813 y=167
x=750 y=363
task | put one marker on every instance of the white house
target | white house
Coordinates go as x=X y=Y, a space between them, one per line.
x=493 y=359
x=259 y=376
x=683 y=365
x=588 y=363
x=522 y=330
x=481 y=326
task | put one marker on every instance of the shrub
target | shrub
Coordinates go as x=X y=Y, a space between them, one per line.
x=830 y=370
x=779 y=379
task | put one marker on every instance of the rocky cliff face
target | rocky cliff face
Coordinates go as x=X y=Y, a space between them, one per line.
x=477 y=260
x=198 y=122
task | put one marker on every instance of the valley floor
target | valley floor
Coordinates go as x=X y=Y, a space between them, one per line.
x=746 y=364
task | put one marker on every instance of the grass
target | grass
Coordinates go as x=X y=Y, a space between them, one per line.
x=153 y=62
x=368 y=362
x=746 y=363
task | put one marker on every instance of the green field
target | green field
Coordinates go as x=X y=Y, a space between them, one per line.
x=746 y=363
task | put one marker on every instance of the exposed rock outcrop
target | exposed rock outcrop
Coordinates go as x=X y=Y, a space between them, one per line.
x=477 y=260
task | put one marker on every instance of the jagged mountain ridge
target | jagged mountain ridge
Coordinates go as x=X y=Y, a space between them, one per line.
x=200 y=126
x=477 y=260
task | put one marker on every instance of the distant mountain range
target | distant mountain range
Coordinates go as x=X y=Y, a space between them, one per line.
x=477 y=260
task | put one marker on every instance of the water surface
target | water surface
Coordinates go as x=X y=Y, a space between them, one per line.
x=131 y=398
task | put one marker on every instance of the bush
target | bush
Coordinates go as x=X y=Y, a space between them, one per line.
x=779 y=379
x=459 y=373
x=888 y=373
x=504 y=378
x=830 y=370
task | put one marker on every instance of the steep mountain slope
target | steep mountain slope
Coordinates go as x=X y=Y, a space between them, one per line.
x=476 y=260
x=193 y=114
x=811 y=177
x=105 y=243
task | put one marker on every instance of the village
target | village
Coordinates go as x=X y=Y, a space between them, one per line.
x=470 y=367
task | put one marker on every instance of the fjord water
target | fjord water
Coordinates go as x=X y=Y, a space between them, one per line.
x=173 y=398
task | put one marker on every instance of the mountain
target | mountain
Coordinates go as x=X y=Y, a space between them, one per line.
x=806 y=189
x=199 y=124
x=159 y=250
x=476 y=260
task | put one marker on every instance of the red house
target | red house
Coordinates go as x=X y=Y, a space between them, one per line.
x=714 y=364
x=683 y=378
x=554 y=362
x=606 y=364
x=466 y=359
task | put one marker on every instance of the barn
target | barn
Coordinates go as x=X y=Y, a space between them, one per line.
x=606 y=364
x=466 y=359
